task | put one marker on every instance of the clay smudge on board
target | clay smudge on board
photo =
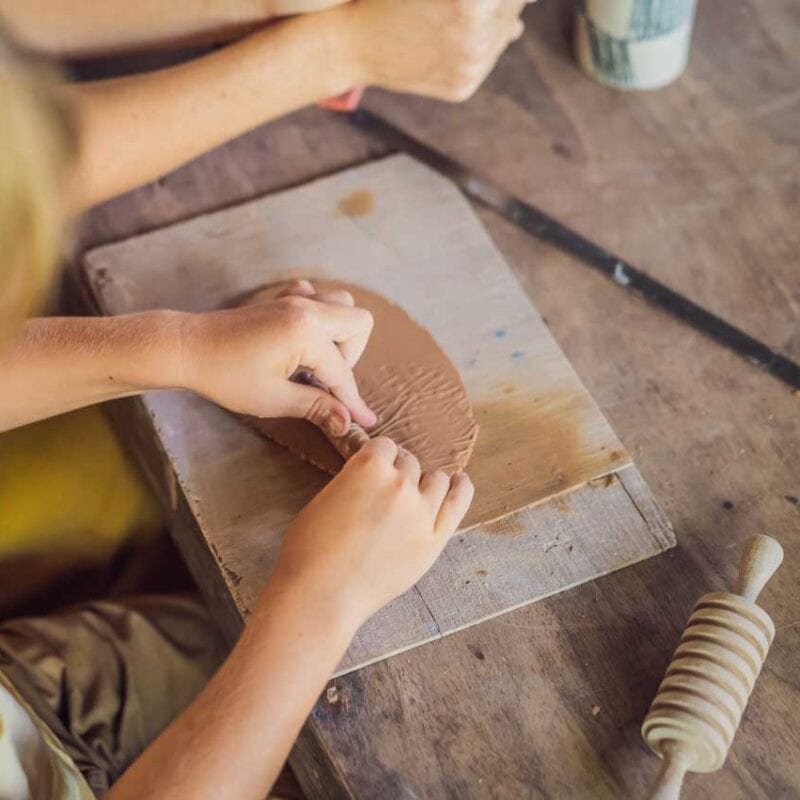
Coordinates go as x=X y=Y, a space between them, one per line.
x=550 y=424
x=357 y=204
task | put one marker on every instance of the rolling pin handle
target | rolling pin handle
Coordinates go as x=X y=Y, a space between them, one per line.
x=761 y=556
x=677 y=759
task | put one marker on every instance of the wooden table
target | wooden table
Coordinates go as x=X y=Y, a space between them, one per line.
x=698 y=185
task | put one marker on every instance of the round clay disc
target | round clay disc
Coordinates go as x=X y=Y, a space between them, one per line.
x=405 y=378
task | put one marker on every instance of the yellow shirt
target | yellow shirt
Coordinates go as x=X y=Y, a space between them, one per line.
x=33 y=764
x=69 y=500
x=68 y=497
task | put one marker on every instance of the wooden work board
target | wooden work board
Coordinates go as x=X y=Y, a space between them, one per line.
x=396 y=227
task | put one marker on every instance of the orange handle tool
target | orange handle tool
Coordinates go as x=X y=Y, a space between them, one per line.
x=345 y=102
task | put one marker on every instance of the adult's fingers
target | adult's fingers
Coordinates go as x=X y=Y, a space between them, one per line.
x=507 y=29
x=503 y=8
x=304 y=288
x=455 y=505
x=330 y=367
x=496 y=45
x=317 y=406
x=408 y=465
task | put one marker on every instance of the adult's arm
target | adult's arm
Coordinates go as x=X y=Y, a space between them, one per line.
x=136 y=128
x=80 y=28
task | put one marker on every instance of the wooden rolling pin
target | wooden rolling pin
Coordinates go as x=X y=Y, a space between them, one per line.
x=696 y=711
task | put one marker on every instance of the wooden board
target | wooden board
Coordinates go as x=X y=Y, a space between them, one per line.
x=541 y=434
x=547 y=701
x=540 y=431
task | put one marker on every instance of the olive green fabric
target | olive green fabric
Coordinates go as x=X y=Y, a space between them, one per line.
x=106 y=677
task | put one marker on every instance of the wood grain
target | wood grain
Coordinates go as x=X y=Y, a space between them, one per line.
x=547 y=701
x=541 y=434
x=650 y=175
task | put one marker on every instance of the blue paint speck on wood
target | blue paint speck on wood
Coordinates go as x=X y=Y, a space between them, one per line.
x=500 y=333
x=517 y=354
x=472 y=362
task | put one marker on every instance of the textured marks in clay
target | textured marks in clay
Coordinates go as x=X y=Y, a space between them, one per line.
x=408 y=400
x=408 y=381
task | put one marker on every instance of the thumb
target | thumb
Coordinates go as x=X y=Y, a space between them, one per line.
x=317 y=406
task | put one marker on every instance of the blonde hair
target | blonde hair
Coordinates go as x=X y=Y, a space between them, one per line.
x=37 y=147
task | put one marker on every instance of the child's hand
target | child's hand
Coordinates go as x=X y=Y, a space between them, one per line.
x=440 y=48
x=243 y=358
x=374 y=530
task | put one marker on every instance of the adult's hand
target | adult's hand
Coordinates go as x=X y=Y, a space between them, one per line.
x=439 y=48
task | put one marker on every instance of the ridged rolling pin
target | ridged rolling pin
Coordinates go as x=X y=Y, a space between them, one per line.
x=696 y=711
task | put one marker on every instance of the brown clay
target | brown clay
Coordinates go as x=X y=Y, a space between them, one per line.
x=406 y=378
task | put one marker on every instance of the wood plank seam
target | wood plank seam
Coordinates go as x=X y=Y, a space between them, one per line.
x=657 y=521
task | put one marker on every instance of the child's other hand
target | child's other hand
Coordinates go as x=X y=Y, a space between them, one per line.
x=439 y=48
x=242 y=358
x=374 y=530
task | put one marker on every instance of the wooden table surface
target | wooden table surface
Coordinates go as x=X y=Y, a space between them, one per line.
x=698 y=185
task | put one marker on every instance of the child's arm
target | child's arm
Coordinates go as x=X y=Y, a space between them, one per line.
x=79 y=28
x=136 y=128
x=371 y=533
x=241 y=359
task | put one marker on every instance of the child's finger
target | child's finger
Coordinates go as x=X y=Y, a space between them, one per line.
x=330 y=367
x=455 y=504
x=353 y=347
x=297 y=288
x=408 y=465
x=339 y=296
x=434 y=487
x=317 y=406
x=349 y=327
x=381 y=447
